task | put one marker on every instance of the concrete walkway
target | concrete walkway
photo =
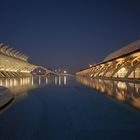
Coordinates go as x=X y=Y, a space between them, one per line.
x=5 y=96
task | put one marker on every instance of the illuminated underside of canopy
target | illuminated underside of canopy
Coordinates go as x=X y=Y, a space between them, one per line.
x=124 y=63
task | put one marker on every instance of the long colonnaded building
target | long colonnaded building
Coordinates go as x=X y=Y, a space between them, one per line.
x=121 y=64
x=14 y=63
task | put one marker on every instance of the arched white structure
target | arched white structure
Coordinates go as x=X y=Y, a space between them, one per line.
x=123 y=63
x=14 y=63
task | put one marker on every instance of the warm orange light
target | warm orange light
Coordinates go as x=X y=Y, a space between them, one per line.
x=90 y=65
x=120 y=59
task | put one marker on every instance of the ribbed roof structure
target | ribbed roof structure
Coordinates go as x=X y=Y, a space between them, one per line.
x=12 y=52
x=123 y=51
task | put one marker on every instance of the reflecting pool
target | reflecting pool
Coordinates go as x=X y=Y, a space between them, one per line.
x=124 y=91
x=69 y=108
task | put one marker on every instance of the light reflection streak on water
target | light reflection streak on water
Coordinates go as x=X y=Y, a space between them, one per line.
x=46 y=80
x=55 y=80
x=59 y=80
x=128 y=92
x=65 y=80
x=39 y=80
x=32 y=81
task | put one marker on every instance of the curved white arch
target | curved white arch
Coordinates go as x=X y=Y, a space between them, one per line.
x=8 y=50
x=12 y=52
x=137 y=58
x=3 y=49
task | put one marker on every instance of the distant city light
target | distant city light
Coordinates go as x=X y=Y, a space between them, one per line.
x=65 y=71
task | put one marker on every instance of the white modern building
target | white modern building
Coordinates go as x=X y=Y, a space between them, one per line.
x=123 y=63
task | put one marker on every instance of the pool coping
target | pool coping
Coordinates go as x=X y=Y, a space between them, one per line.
x=6 y=97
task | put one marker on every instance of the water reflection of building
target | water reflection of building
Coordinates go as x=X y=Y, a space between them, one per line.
x=55 y=80
x=60 y=80
x=18 y=86
x=124 y=63
x=127 y=92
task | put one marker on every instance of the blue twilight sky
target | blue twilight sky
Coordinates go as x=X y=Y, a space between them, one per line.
x=68 y=34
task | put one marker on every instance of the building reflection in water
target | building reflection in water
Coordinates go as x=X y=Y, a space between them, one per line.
x=65 y=80
x=39 y=80
x=46 y=80
x=127 y=92
x=22 y=85
x=60 y=80
x=55 y=80
x=19 y=86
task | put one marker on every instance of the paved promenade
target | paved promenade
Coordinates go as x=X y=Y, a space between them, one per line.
x=5 y=96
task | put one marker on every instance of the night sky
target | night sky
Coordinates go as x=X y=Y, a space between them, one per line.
x=69 y=34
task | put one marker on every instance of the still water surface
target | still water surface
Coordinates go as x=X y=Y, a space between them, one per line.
x=69 y=108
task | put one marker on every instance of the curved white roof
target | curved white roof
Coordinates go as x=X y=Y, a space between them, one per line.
x=125 y=50
x=12 y=52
